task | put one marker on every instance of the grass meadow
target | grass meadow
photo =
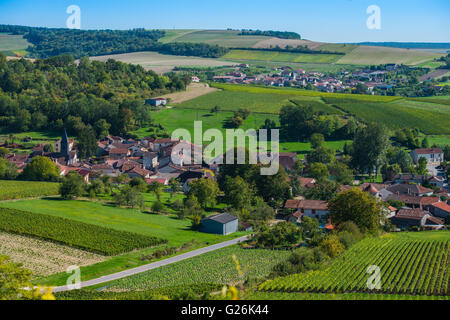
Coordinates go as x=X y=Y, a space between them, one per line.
x=281 y=56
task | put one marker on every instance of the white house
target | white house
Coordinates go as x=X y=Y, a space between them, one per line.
x=433 y=155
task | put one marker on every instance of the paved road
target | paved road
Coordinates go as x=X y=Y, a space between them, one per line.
x=154 y=265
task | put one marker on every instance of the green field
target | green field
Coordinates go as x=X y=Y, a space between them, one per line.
x=223 y=38
x=85 y=236
x=369 y=55
x=280 y=56
x=10 y=190
x=131 y=220
x=416 y=264
x=214 y=267
x=13 y=44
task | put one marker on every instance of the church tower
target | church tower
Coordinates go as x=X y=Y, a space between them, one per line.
x=65 y=144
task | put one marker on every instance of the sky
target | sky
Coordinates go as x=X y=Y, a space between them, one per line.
x=319 y=20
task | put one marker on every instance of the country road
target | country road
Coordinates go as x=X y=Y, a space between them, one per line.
x=154 y=265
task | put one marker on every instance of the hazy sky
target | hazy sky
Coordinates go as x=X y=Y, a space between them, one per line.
x=320 y=20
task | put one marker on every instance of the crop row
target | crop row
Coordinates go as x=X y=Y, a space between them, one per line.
x=85 y=236
x=411 y=267
x=25 y=189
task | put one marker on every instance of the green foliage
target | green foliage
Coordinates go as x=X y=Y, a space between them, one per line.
x=238 y=193
x=77 y=234
x=369 y=146
x=130 y=196
x=280 y=235
x=72 y=186
x=301 y=260
x=40 y=169
x=324 y=190
x=318 y=171
x=332 y=245
x=99 y=94
x=13 y=280
x=8 y=170
x=356 y=206
x=205 y=190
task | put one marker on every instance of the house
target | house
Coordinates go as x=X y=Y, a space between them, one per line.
x=119 y=153
x=156 y=102
x=406 y=218
x=310 y=208
x=406 y=189
x=436 y=181
x=150 y=160
x=409 y=178
x=440 y=209
x=195 y=79
x=433 y=155
x=307 y=182
x=223 y=224
x=287 y=160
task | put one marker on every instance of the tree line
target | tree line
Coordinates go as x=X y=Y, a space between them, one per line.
x=271 y=33
x=49 y=42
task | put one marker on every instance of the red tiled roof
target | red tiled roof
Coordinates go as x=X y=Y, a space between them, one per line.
x=313 y=205
x=428 y=151
x=428 y=200
x=118 y=151
x=416 y=214
x=435 y=220
x=442 y=205
x=307 y=182
x=291 y=204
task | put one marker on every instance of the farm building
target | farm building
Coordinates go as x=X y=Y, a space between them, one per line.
x=156 y=102
x=223 y=224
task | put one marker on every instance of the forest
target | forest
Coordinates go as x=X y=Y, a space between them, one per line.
x=49 y=42
x=58 y=92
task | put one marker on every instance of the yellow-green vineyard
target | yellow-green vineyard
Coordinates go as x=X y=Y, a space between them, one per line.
x=418 y=266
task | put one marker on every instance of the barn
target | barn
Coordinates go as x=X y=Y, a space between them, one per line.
x=223 y=224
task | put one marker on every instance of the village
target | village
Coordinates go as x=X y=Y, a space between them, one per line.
x=365 y=81
x=151 y=159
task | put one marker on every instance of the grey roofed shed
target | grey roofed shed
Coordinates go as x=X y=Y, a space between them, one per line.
x=220 y=224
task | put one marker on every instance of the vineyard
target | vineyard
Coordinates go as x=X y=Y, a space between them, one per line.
x=215 y=267
x=10 y=190
x=76 y=234
x=417 y=266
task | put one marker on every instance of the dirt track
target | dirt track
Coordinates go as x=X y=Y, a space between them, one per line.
x=193 y=91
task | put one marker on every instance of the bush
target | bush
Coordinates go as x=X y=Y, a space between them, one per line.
x=157 y=207
x=301 y=260
x=332 y=246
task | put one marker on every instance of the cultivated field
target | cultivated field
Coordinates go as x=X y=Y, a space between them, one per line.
x=282 y=43
x=13 y=45
x=127 y=220
x=10 y=190
x=194 y=90
x=44 y=257
x=214 y=267
x=417 y=265
x=162 y=63
x=223 y=38
x=98 y=239
x=365 y=55
x=281 y=56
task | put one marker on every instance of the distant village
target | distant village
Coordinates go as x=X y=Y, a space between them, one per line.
x=344 y=80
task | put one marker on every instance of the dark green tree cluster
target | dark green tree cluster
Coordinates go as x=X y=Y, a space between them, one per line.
x=271 y=33
x=92 y=96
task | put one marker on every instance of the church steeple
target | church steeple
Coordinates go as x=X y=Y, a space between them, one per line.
x=65 y=144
